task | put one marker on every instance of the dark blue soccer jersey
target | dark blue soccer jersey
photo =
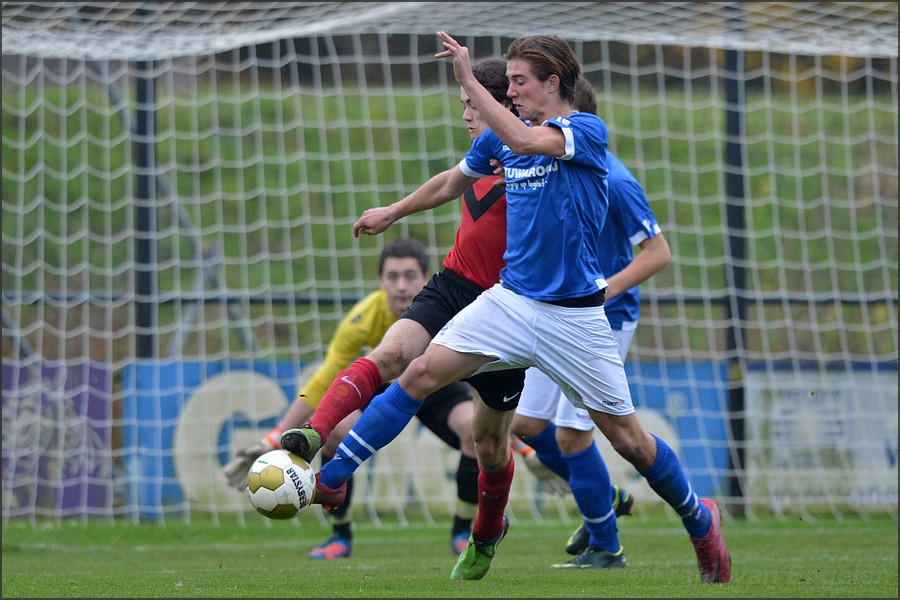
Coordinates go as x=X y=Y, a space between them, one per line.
x=629 y=222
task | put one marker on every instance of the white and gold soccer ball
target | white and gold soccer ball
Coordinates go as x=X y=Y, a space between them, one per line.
x=280 y=484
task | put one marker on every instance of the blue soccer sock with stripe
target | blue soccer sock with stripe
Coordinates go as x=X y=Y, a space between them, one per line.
x=589 y=475
x=386 y=416
x=667 y=478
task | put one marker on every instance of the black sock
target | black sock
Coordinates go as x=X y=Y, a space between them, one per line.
x=461 y=525
x=343 y=530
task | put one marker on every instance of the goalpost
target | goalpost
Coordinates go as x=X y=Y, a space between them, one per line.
x=180 y=179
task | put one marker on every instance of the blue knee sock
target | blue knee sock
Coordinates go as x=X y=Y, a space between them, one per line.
x=667 y=479
x=380 y=423
x=547 y=450
x=588 y=475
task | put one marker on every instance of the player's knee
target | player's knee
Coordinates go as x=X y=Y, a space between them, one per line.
x=635 y=448
x=527 y=427
x=391 y=361
x=421 y=378
x=492 y=454
x=573 y=441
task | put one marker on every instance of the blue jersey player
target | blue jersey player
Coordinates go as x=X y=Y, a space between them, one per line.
x=547 y=311
x=560 y=433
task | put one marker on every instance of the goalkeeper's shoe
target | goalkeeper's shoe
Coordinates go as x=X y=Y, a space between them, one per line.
x=459 y=542
x=713 y=559
x=476 y=559
x=327 y=497
x=579 y=540
x=592 y=558
x=304 y=442
x=335 y=547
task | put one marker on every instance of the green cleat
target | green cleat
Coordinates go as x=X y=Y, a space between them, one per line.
x=304 y=442
x=475 y=561
x=592 y=558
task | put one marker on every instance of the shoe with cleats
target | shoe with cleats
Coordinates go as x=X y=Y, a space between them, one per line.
x=580 y=538
x=475 y=561
x=327 y=497
x=592 y=558
x=304 y=442
x=459 y=542
x=335 y=547
x=713 y=559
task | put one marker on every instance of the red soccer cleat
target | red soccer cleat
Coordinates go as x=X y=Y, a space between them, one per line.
x=327 y=497
x=713 y=558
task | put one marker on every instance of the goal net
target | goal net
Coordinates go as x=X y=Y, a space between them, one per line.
x=180 y=180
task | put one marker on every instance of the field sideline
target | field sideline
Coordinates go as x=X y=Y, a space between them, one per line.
x=771 y=559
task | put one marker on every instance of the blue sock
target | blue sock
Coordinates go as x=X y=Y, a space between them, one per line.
x=382 y=421
x=547 y=450
x=667 y=479
x=588 y=475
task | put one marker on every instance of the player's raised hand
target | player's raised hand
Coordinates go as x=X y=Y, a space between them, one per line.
x=462 y=65
x=373 y=221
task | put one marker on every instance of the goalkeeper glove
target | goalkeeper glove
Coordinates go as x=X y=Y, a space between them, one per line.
x=553 y=483
x=236 y=469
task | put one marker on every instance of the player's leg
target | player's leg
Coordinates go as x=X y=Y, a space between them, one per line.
x=340 y=544
x=405 y=340
x=586 y=364
x=448 y=414
x=497 y=394
x=355 y=386
x=491 y=431
x=533 y=420
x=588 y=479
x=390 y=412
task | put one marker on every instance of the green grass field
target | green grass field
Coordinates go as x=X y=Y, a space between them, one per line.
x=771 y=559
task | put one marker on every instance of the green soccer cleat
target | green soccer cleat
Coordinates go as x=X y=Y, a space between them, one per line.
x=304 y=442
x=580 y=538
x=475 y=561
x=592 y=558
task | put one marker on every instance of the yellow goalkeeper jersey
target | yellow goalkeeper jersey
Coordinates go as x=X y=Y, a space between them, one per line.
x=360 y=330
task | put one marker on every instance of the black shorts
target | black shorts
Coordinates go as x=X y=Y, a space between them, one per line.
x=445 y=294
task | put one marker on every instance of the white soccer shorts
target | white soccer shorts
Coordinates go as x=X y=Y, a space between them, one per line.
x=542 y=399
x=575 y=347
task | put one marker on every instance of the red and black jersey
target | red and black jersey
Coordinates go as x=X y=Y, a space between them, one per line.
x=477 y=253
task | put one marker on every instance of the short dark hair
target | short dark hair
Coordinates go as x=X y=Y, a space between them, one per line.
x=585 y=97
x=491 y=73
x=548 y=55
x=404 y=248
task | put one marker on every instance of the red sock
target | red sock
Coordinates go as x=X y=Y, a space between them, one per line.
x=350 y=390
x=493 y=495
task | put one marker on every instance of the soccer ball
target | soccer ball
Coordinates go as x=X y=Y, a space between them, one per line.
x=280 y=484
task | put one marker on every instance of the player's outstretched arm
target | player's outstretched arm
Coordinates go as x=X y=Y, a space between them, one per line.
x=440 y=189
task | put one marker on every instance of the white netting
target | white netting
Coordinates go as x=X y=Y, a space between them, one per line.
x=179 y=181
x=159 y=30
